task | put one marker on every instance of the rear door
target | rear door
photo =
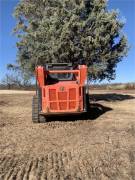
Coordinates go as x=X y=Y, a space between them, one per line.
x=63 y=97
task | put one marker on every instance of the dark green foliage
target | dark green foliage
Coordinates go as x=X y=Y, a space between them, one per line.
x=70 y=31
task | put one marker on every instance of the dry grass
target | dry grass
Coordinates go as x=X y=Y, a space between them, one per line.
x=116 y=86
x=15 y=92
x=102 y=146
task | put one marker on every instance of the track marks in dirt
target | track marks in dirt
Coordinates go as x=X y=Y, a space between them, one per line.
x=65 y=166
x=51 y=166
x=8 y=167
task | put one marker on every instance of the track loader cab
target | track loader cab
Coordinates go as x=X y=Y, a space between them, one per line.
x=61 y=90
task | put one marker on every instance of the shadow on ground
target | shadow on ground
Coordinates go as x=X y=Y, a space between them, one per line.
x=110 y=97
x=96 y=110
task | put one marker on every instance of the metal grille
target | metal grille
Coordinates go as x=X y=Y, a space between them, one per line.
x=60 y=101
x=62 y=96
x=52 y=94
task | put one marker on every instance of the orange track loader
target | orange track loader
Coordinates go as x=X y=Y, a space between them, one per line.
x=61 y=90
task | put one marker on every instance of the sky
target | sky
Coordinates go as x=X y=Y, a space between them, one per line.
x=125 y=71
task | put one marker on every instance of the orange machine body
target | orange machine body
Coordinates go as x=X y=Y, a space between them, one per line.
x=62 y=96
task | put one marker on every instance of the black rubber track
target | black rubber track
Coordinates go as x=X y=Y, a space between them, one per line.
x=36 y=108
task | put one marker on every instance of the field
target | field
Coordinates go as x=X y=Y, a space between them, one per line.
x=98 y=146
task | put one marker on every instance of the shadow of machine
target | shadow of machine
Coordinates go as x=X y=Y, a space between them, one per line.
x=110 y=97
x=96 y=110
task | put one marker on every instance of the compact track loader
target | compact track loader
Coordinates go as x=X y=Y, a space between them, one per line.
x=61 y=90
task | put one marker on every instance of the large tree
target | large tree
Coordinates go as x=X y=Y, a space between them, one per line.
x=70 y=31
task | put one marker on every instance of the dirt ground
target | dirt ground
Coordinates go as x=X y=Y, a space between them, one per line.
x=99 y=146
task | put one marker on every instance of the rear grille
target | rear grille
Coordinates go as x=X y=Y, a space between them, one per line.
x=53 y=105
x=62 y=95
x=72 y=105
x=52 y=94
x=72 y=94
x=62 y=105
x=60 y=101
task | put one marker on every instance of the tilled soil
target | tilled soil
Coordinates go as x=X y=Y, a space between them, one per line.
x=100 y=145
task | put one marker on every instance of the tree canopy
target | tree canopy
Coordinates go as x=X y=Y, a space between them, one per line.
x=70 y=31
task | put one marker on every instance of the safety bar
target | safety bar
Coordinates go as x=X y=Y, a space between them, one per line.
x=63 y=71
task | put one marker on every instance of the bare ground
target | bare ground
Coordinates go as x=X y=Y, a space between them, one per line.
x=99 y=146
